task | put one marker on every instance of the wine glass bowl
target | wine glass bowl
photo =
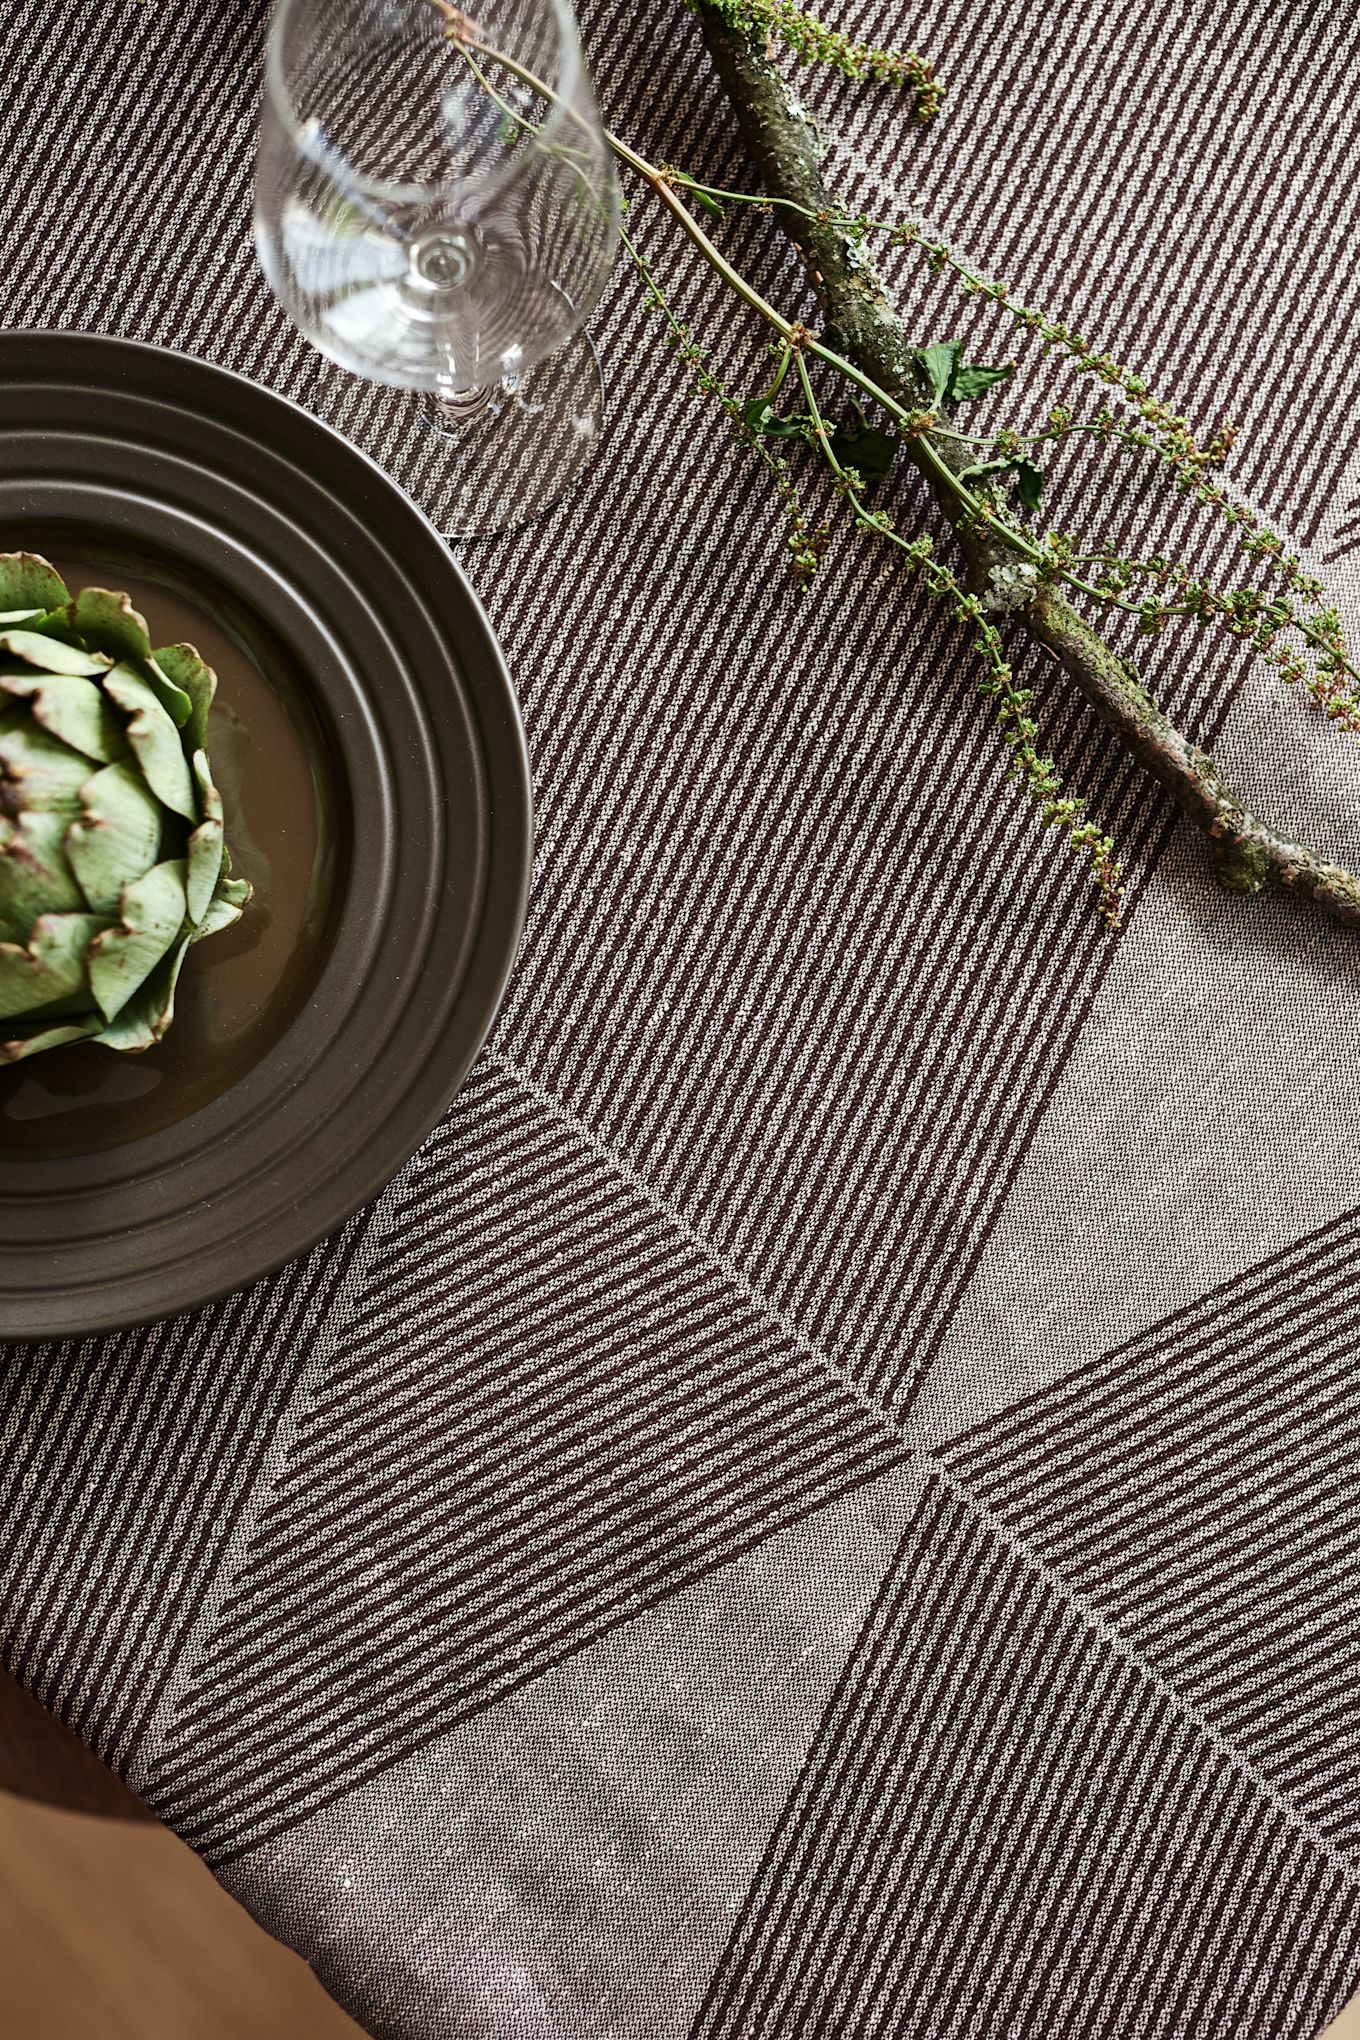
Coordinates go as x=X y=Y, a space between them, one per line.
x=436 y=209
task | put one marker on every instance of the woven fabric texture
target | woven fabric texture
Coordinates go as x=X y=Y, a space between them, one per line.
x=821 y=1503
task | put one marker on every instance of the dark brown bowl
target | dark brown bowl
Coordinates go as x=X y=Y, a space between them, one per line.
x=381 y=803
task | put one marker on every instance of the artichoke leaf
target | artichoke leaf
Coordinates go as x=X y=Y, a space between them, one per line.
x=152 y=918
x=154 y=739
x=182 y=668
x=148 y=1013
x=56 y=623
x=172 y=699
x=35 y=877
x=109 y=623
x=38 y=772
x=221 y=914
x=227 y=905
x=51 y=1034
x=113 y=853
x=71 y=709
x=27 y=581
x=50 y=971
x=116 y=836
x=206 y=844
x=50 y=655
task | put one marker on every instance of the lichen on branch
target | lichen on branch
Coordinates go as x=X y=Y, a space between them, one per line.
x=862 y=323
x=987 y=489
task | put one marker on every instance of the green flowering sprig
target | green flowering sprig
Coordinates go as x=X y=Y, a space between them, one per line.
x=1331 y=677
x=1301 y=639
x=1011 y=703
x=814 y=41
x=990 y=490
x=806 y=542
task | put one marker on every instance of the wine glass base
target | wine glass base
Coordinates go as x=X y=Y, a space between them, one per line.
x=515 y=450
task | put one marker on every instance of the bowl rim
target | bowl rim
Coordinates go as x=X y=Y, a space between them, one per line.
x=449 y=1021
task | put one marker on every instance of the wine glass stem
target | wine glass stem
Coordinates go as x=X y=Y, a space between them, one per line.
x=454 y=410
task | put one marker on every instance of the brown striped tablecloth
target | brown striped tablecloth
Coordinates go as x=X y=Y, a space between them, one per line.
x=823 y=1502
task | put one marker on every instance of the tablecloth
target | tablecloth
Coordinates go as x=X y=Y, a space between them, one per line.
x=823 y=1500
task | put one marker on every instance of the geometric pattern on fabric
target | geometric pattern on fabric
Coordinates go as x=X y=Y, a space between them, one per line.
x=1345 y=536
x=1109 y=163
x=494 y=1469
x=571 y=1861
x=166 y=1428
x=832 y=1029
x=748 y=862
x=798 y=956
x=1093 y=1765
x=1201 y=1487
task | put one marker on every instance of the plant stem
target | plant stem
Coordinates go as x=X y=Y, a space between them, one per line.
x=863 y=327
x=896 y=403
x=1038 y=774
x=965 y=505
x=866 y=343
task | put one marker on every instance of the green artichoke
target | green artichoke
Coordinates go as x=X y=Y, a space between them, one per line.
x=113 y=860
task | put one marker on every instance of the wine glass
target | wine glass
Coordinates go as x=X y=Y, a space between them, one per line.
x=436 y=208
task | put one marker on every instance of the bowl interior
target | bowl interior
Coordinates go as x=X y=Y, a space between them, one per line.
x=286 y=805
x=386 y=784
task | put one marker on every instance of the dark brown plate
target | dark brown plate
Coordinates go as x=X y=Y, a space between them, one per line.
x=379 y=796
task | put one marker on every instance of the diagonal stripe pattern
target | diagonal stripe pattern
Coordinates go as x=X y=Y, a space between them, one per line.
x=494 y=1469
x=1093 y=1767
x=800 y=980
x=1202 y=1487
x=168 y=1433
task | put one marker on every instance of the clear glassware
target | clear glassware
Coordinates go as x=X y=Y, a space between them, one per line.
x=436 y=208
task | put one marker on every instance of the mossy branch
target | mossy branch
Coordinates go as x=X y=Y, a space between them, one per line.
x=862 y=323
